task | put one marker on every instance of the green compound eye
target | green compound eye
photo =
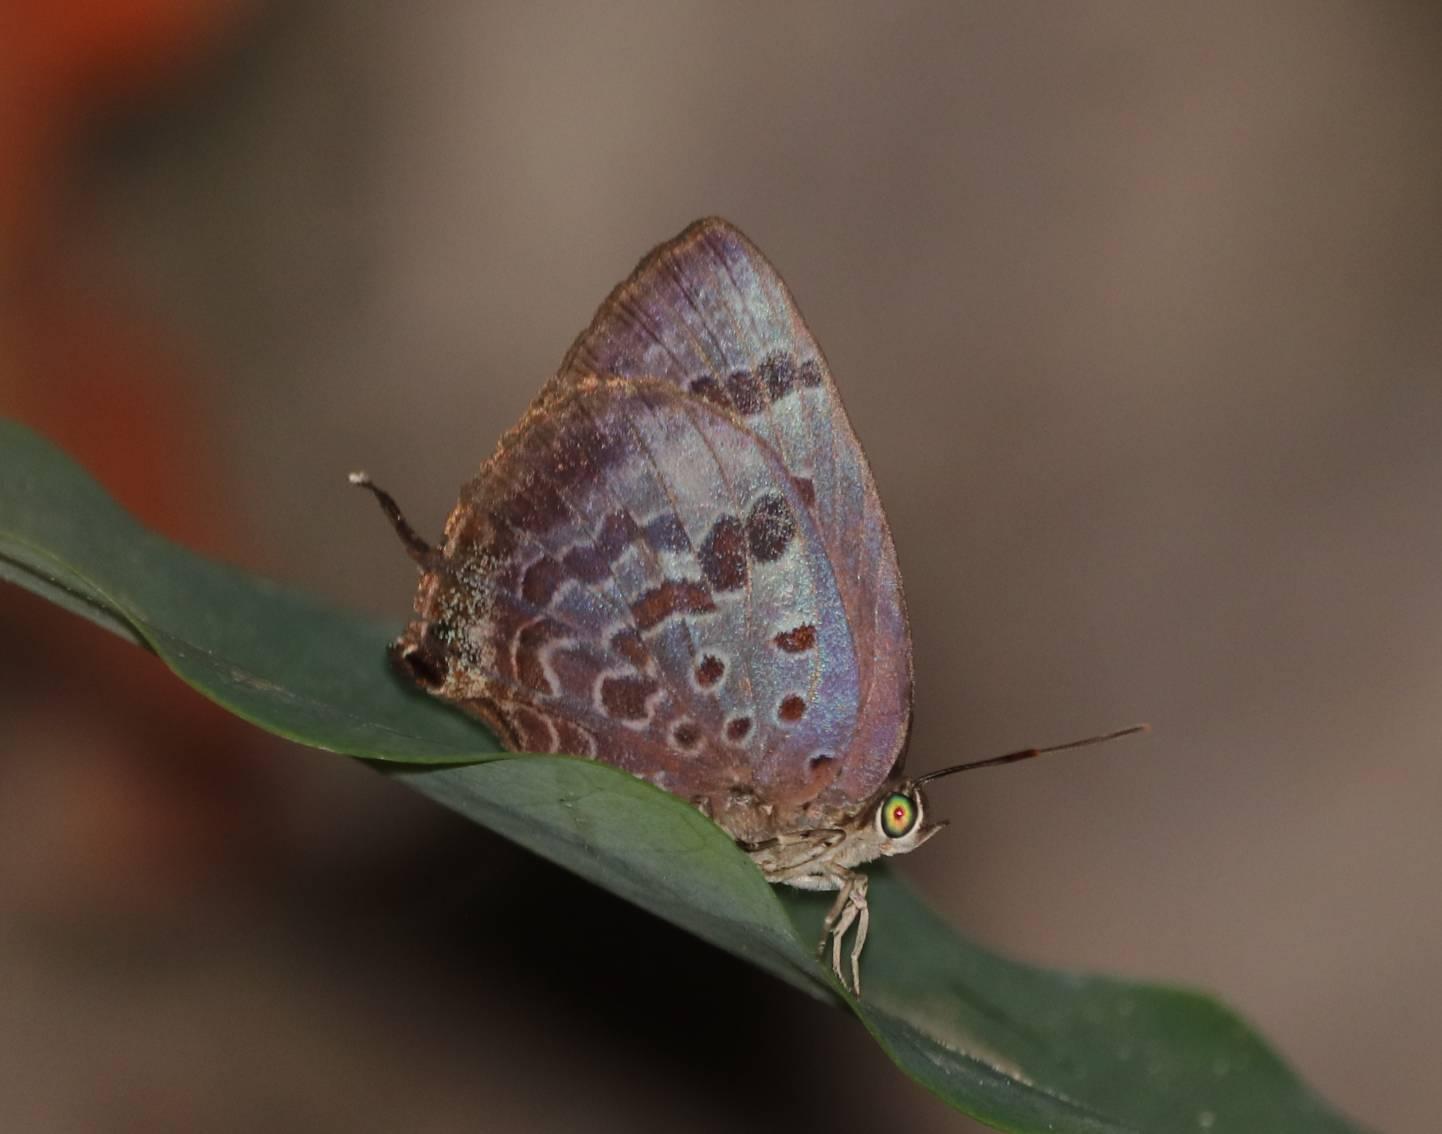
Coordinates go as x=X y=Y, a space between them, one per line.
x=898 y=815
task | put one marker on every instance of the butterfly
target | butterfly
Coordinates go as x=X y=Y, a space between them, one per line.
x=677 y=563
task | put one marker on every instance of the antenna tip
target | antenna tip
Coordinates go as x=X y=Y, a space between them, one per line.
x=360 y=479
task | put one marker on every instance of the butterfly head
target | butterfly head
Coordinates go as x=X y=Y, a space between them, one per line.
x=893 y=821
x=897 y=821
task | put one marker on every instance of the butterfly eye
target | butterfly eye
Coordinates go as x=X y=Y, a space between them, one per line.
x=898 y=815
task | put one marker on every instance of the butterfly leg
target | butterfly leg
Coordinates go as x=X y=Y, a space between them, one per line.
x=849 y=909
x=832 y=914
x=836 y=937
x=858 y=943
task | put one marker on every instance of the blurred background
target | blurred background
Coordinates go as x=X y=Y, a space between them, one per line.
x=1136 y=310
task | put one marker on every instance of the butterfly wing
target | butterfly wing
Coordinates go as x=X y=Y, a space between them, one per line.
x=708 y=314
x=636 y=577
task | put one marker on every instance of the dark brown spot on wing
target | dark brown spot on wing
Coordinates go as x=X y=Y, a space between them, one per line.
x=723 y=555
x=534 y=635
x=660 y=603
x=746 y=393
x=809 y=373
x=821 y=768
x=627 y=643
x=770 y=528
x=587 y=564
x=573 y=669
x=617 y=530
x=710 y=670
x=806 y=489
x=624 y=698
x=797 y=640
x=592 y=562
x=791 y=708
x=737 y=728
x=541 y=579
x=778 y=373
x=665 y=533
x=686 y=735
x=710 y=389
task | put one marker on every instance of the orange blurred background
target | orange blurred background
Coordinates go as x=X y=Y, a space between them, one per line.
x=1136 y=309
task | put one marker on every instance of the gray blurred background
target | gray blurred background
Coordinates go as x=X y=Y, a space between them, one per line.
x=1136 y=311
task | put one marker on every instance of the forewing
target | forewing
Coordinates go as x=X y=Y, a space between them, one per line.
x=708 y=314
x=635 y=577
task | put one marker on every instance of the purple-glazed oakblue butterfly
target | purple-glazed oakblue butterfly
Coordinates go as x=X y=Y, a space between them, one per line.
x=677 y=563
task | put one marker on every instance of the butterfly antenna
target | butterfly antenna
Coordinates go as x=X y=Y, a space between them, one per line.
x=1028 y=753
x=417 y=548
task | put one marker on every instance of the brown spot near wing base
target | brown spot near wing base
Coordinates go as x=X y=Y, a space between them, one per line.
x=627 y=643
x=624 y=698
x=592 y=562
x=737 y=728
x=529 y=641
x=617 y=530
x=587 y=564
x=541 y=579
x=660 y=603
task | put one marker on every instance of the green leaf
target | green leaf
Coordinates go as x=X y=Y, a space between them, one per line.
x=281 y=660
x=1020 y=1048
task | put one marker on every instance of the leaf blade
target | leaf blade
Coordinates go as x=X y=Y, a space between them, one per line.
x=1023 y=1049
